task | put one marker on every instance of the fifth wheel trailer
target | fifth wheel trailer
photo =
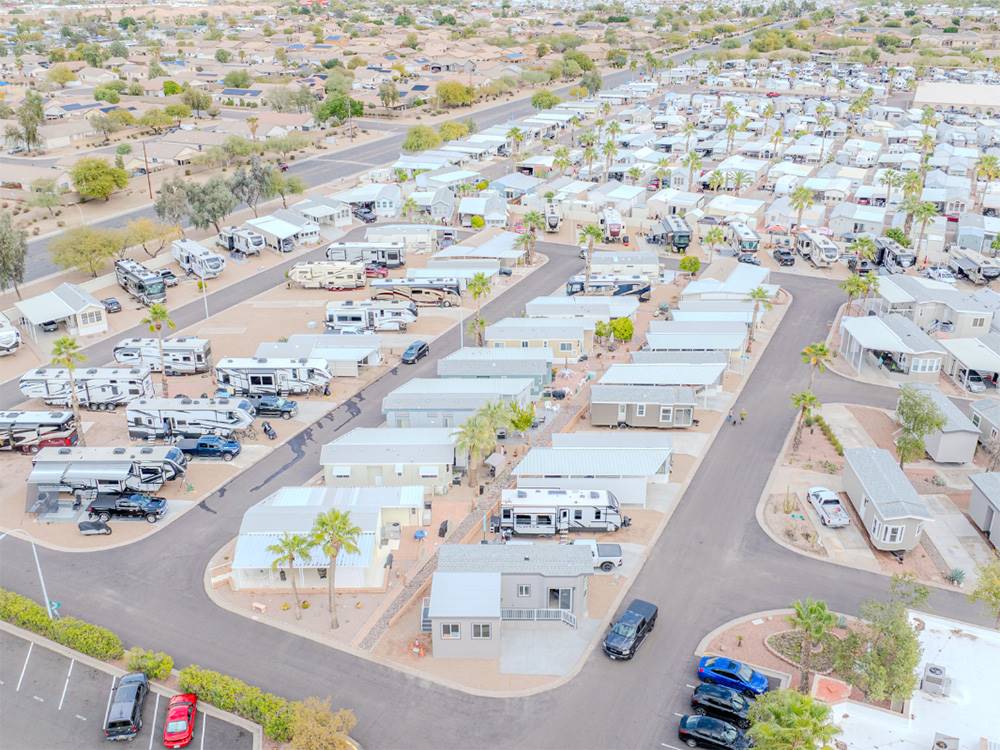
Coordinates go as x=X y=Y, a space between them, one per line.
x=113 y=470
x=389 y=254
x=272 y=376
x=159 y=418
x=101 y=388
x=195 y=258
x=184 y=355
x=554 y=511
x=327 y=274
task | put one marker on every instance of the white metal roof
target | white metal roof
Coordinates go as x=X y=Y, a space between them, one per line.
x=592 y=462
x=973 y=354
x=660 y=374
x=465 y=594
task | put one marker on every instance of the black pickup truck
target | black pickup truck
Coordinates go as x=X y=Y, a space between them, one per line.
x=136 y=505
x=631 y=629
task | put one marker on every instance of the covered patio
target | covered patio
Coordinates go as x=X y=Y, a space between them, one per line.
x=894 y=343
x=967 y=357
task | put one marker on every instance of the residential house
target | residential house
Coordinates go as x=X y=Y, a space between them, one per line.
x=437 y=204
x=627 y=263
x=491 y=362
x=515 y=185
x=700 y=376
x=582 y=306
x=641 y=406
x=324 y=211
x=956 y=441
x=985 y=415
x=77 y=309
x=488 y=205
x=892 y=342
x=930 y=304
x=345 y=355
x=448 y=402
x=567 y=338
x=853 y=219
x=384 y=199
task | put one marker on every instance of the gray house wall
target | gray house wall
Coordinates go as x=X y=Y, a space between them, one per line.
x=912 y=527
x=609 y=415
x=390 y=475
x=985 y=515
x=465 y=647
x=539 y=593
x=987 y=429
x=951 y=447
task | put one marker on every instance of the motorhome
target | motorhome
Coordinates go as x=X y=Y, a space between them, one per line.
x=974 y=266
x=437 y=292
x=99 y=388
x=614 y=286
x=892 y=255
x=611 y=223
x=271 y=376
x=183 y=355
x=416 y=238
x=110 y=470
x=161 y=418
x=240 y=240
x=139 y=282
x=10 y=337
x=195 y=258
x=327 y=274
x=553 y=217
x=677 y=233
x=389 y=254
x=819 y=249
x=742 y=238
x=30 y=431
x=553 y=511
x=370 y=315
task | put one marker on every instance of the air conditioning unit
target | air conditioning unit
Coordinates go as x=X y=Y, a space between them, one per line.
x=944 y=742
x=936 y=681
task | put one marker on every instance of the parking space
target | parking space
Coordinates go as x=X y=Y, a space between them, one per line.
x=51 y=701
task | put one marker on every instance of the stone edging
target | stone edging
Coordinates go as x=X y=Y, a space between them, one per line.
x=777 y=654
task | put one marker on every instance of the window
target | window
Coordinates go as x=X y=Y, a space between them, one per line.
x=577 y=515
x=565 y=346
x=892 y=534
x=90 y=318
x=523 y=590
x=321 y=572
x=640 y=410
x=524 y=344
x=428 y=472
x=451 y=631
x=342 y=471
x=978 y=322
x=399 y=470
x=282 y=576
x=666 y=414
x=482 y=631
x=976 y=419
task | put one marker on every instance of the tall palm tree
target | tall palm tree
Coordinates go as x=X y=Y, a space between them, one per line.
x=716 y=180
x=560 y=160
x=614 y=129
x=731 y=130
x=805 y=402
x=814 y=621
x=740 y=180
x=801 y=199
x=156 y=320
x=252 y=123
x=475 y=438
x=409 y=206
x=66 y=354
x=890 y=180
x=692 y=161
x=609 y=150
x=768 y=114
x=824 y=121
x=574 y=123
x=534 y=222
x=923 y=213
x=760 y=298
x=817 y=356
x=479 y=287
x=854 y=286
x=713 y=238
x=589 y=234
x=633 y=173
x=987 y=167
x=497 y=415
x=332 y=532
x=524 y=243
x=286 y=551
x=662 y=169
x=776 y=140
x=689 y=130
x=516 y=137
x=589 y=155
x=926 y=146
x=913 y=184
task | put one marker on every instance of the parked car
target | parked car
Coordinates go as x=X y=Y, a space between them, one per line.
x=731 y=673
x=504 y=271
x=631 y=629
x=974 y=381
x=783 y=256
x=750 y=258
x=111 y=304
x=124 y=719
x=178 y=726
x=940 y=273
x=274 y=406
x=365 y=215
x=376 y=271
x=721 y=702
x=828 y=507
x=606 y=556
x=168 y=276
x=704 y=731
x=415 y=351
x=210 y=446
x=134 y=505
x=555 y=393
x=50 y=326
x=773 y=94
x=861 y=265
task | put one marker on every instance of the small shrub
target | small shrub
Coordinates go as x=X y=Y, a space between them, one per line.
x=305 y=605
x=956 y=576
x=156 y=665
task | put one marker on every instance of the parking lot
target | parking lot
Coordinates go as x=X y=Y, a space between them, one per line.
x=54 y=702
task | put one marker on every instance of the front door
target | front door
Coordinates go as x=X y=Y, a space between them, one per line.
x=561 y=599
x=622 y=410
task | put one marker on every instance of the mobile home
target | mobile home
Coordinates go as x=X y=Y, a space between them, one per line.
x=159 y=418
x=101 y=388
x=183 y=355
x=262 y=376
x=445 y=291
x=555 y=511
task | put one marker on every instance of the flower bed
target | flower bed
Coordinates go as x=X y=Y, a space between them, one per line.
x=787 y=645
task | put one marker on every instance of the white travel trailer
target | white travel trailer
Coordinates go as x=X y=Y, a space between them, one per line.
x=370 y=315
x=10 y=337
x=184 y=355
x=821 y=251
x=263 y=376
x=553 y=217
x=111 y=470
x=193 y=257
x=614 y=227
x=416 y=238
x=388 y=254
x=327 y=274
x=161 y=418
x=100 y=388
x=240 y=240
x=551 y=511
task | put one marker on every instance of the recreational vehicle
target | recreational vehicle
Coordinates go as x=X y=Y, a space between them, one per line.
x=819 y=249
x=238 y=240
x=370 y=315
x=553 y=217
x=195 y=258
x=184 y=355
x=271 y=376
x=110 y=470
x=327 y=274
x=416 y=238
x=10 y=337
x=441 y=292
x=613 y=286
x=892 y=255
x=677 y=233
x=549 y=511
x=30 y=431
x=140 y=283
x=160 y=418
x=976 y=267
x=389 y=254
x=611 y=223
x=742 y=238
x=100 y=388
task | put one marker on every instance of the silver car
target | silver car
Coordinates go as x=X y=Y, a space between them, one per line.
x=828 y=507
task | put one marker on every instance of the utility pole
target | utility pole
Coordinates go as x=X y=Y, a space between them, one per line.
x=145 y=162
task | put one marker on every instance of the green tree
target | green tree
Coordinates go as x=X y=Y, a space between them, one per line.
x=178 y=111
x=334 y=532
x=479 y=287
x=918 y=417
x=30 y=116
x=237 y=79
x=589 y=234
x=787 y=720
x=450 y=131
x=44 y=194
x=420 y=138
x=388 y=94
x=252 y=184
x=805 y=402
x=923 y=213
x=454 y=94
x=210 y=203
x=60 y=75
x=171 y=204
x=475 y=437
x=287 y=185
x=714 y=238
x=760 y=299
x=987 y=588
x=199 y=101
x=86 y=248
x=66 y=354
x=172 y=88
x=817 y=356
x=340 y=108
x=315 y=727
x=478 y=222
x=157 y=119
x=223 y=56
x=853 y=286
x=801 y=199
x=516 y=137
x=97 y=178
x=150 y=235
x=544 y=100
x=890 y=179
x=622 y=329
x=522 y=418
x=288 y=550
x=690 y=264
x=156 y=320
x=813 y=621
x=13 y=253
x=533 y=222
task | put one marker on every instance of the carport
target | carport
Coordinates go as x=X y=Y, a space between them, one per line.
x=894 y=343
x=965 y=356
x=78 y=309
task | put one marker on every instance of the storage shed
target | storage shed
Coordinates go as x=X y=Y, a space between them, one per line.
x=955 y=443
x=984 y=504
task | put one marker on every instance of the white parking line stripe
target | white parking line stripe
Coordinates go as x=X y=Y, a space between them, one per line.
x=672 y=747
x=2 y=537
x=155 y=709
x=48 y=607
x=40 y=700
x=24 y=668
x=81 y=718
x=677 y=714
x=204 y=721
x=110 y=694
x=692 y=687
x=63 y=696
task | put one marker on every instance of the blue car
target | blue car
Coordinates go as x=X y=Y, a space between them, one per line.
x=731 y=673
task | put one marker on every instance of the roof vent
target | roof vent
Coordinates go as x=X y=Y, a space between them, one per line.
x=936 y=681
x=944 y=742
x=118 y=451
x=147 y=451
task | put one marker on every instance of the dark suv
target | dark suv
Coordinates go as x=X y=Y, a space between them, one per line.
x=136 y=505
x=124 y=720
x=721 y=702
x=274 y=406
x=415 y=351
x=783 y=257
x=631 y=629
x=365 y=215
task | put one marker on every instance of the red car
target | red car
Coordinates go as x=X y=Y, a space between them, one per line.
x=178 y=729
x=773 y=94
x=375 y=271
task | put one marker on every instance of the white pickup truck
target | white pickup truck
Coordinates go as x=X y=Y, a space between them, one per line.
x=607 y=557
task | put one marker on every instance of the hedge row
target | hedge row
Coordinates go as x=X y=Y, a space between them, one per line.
x=230 y=694
x=92 y=640
x=828 y=433
x=156 y=665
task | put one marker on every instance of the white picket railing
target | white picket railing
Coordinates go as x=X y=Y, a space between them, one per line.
x=518 y=613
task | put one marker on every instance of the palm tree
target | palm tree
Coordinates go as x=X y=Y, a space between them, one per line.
x=814 y=621
x=409 y=206
x=716 y=180
x=731 y=130
x=574 y=123
x=497 y=415
x=923 y=212
x=854 y=286
x=589 y=155
x=926 y=146
x=524 y=243
x=475 y=438
x=155 y=320
x=987 y=167
x=560 y=160
x=634 y=173
x=252 y=123
x=817 y=356
x=609 y=150
x=913 y=184
x=713 y=238
x=286 y=551
x=760 y=298
x=805 y=402
x=740 y=180
x=614 y=129
x=767 y=114
x=824 y=121
x=479 y=287
x=692 y=161
x=589 y=234
x=776 y=139
x=66 y=354
x=332 y=532
x=663 y=167
x=689 y=130
x=801 y=199
x=534 y=222
x=516 y=137
x=890 y=180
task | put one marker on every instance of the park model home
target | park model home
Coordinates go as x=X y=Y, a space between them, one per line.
x=79 y=310
x=641 y=406
x=893 y=343
x=377 y=456
x=892 y=512
x=567 y=338
x=448 y=402
x=483 y=362
x=478 y=588
x=931 y=305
